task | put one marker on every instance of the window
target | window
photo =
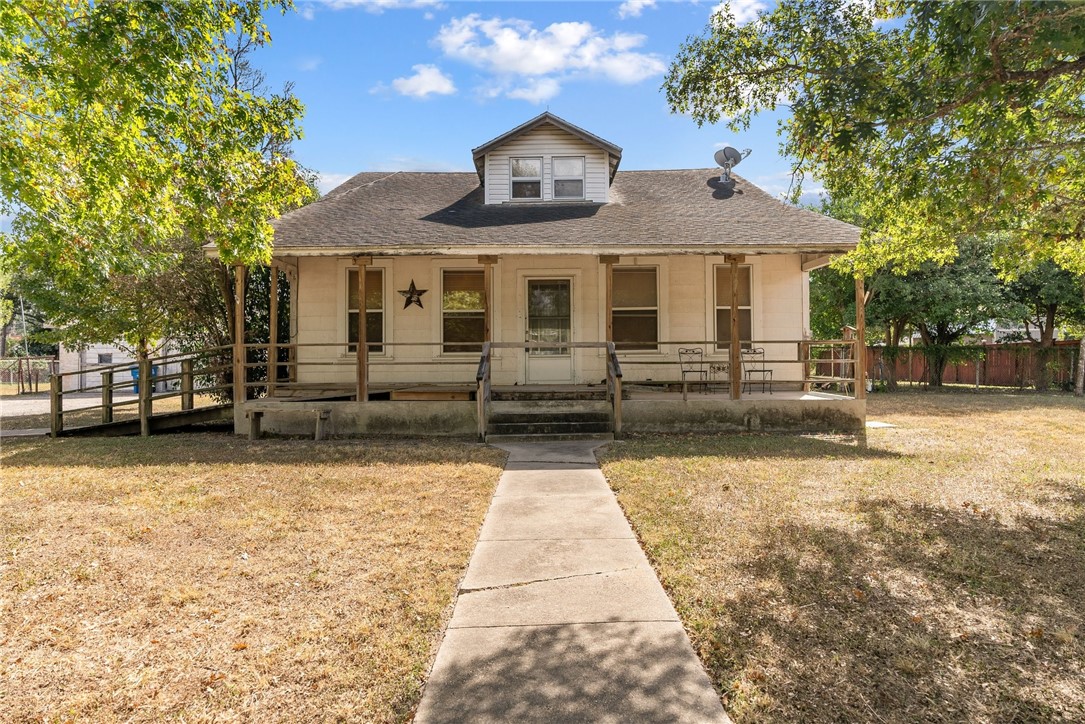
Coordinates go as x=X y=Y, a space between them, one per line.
x=569 y=178
x=374 y=309
x=635 y=313
x=463 y=310
x=105 y=358
x=723 y=306
x=527 y=178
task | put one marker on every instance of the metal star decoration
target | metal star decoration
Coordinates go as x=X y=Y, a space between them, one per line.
x=412 y=295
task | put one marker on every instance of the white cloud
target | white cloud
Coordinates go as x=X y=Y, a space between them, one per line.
x=511 y=48
x=309 y=64
x=325 y=182
x=745 y=11
x=633 y=8
x=427 y=80
x=536 y=90
x=413 y=163
x=379 y=6
x=307 y=12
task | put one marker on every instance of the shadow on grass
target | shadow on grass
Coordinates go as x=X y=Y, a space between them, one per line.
x=944 y=402
x=917 y=614
x=228 y=449
x=747 y=445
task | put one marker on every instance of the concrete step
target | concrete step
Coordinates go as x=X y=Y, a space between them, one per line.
x=548 y=427
x=598 y=392
x=547 y=416
x=603 y=436
x=550 y=406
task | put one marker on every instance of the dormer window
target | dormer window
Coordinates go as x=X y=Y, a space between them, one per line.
x=527 y=178
x=569 y=177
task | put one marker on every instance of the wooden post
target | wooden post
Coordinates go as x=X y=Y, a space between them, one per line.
x=487 y=261
x=860 y=340
x=240 y=389
x=273 y=332
x=187 y=398
x=107 y=396
x=145 y=388
x=56 y=405
x=608 y=262
x=736 y=343
x=360 y=263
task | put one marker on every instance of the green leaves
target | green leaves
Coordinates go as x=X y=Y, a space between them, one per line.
x=122 y=130
x=950 y=120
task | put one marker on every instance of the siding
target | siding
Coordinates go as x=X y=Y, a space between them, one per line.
x=686 y=314
x=547 y=141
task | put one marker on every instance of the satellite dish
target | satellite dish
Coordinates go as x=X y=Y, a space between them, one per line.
x=727 y=158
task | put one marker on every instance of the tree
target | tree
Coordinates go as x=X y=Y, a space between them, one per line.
x=1042 y=299
x=127 y=137
x=950 y=121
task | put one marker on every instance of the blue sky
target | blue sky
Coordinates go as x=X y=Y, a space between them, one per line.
x=415 y=84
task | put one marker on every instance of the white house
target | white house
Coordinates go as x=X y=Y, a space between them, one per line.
x=547 y=253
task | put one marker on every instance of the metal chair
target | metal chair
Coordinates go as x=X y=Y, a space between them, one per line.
x=754 y=370
x=692 y=364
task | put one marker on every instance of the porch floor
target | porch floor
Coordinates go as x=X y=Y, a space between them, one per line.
x=288 y=392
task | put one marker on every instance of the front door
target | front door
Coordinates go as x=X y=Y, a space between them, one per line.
x=549 y=319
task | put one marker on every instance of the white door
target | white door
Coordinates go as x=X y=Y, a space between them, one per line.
x=549 y=319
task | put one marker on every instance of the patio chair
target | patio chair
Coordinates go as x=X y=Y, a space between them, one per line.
x=754 y=371
x=692 y=364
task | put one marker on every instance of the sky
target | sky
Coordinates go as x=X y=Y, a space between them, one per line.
x=414 y=85
x=398 y=85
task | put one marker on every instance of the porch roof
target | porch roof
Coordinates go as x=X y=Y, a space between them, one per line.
x=650 y=212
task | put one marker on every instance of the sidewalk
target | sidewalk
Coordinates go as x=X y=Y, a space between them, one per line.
x=560 y=618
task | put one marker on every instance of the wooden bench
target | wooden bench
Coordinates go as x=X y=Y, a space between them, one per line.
x=255 y=413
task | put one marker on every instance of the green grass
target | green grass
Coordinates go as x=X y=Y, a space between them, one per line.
x=205 y=578
x=936 y=575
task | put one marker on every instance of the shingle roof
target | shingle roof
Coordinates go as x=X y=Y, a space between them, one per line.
x=673 y=212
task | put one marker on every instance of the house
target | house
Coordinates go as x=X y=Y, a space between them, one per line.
x=550 y=273
x=90 y=360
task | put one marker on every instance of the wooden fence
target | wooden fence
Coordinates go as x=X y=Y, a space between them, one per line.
x=993 y=365
x=30 y=374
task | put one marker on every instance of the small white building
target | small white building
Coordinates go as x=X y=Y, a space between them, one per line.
x=91 y=359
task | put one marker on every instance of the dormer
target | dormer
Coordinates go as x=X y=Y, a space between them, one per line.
x=547 y=160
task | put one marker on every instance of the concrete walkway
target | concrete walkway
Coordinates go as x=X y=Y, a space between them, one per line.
x=560 y=618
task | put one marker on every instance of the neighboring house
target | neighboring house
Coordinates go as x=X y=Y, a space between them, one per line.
x=89 y=360
x=548 y=242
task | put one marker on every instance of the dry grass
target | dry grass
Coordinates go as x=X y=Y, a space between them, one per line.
x=205 y=578
x=937 y=575
x=76 y=417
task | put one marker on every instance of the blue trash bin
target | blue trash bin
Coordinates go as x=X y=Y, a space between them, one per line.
x=135 y=378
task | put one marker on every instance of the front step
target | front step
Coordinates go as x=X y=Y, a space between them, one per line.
x=601 y=436
x=552 y=418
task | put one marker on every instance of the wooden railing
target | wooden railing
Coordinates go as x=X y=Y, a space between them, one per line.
x=614 y=388
x=483 y=391
x=203 y=372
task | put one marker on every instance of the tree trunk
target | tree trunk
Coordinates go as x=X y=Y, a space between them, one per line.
x=1042 y=374
x=1079 y=383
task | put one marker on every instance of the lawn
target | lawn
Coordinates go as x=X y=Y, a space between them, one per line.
x=936 y=575
x=204 y=578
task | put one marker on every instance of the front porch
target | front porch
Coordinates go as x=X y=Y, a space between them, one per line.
x=650 y=402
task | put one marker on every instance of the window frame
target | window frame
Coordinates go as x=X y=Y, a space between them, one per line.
x=351 y=348
x=648 y=348
x=720 y=344
x=513 y=179
x=582 y=178
x=441 y=312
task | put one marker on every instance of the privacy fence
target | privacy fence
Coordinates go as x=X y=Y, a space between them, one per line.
x=1019 y=365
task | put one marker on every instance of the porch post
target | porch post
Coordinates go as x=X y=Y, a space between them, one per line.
x=487 y=261
x=239 y=340
x=608 y=262
x=860 y=339
x=736 y=344
x=273 y=331
x=360 y=263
